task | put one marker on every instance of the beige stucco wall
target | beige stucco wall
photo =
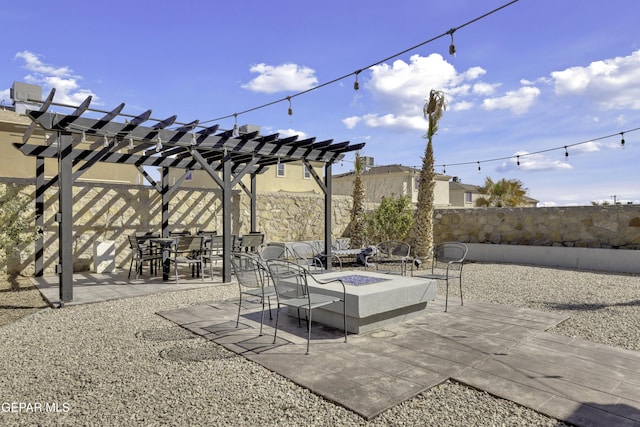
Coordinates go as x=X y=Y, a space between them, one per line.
x=292 y=181
x=391 y=184
x=14 y=164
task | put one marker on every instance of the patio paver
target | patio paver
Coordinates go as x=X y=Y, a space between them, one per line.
x=501 y=350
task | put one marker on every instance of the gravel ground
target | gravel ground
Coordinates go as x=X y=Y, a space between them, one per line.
x=118 y=363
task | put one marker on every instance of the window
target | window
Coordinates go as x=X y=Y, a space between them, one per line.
x=280 y=170
x=468 y=197
x=306 y=174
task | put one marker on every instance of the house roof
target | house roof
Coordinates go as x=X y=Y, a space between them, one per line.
x=388 y=169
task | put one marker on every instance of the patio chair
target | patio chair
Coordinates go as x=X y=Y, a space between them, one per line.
x=211 y=249
x=188 y=250
x=250 y=242
x=446 y=264
x=291 y=282
x=389 y=253
x=251 y=275
x=307 y=256
x=272 y=250
x=141 y=253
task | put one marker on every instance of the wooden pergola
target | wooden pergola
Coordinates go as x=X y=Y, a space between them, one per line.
x=142 y=142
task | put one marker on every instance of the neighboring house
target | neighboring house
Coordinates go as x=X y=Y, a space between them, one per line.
x=292 y=177
x=391 y=180
x=465 y=195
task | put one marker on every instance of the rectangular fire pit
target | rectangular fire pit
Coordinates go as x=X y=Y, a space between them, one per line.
x=373 y=299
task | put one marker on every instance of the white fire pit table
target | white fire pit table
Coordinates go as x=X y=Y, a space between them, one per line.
x=373 y=299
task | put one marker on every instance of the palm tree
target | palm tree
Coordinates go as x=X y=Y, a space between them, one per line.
x=358 y=214
x=506 y=193
x=433 y=111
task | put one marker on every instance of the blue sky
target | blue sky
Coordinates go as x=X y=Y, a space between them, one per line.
x=537 y=75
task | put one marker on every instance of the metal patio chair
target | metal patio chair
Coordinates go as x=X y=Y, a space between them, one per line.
x=307 y=256
x=446 y=264
x=141 y=253
x=389 y=253
x=252 y=275
x=291 y=282
x=188 y=250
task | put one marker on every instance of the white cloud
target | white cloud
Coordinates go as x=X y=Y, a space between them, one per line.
x=393 y=121
x=518 y=101
x=284 y=133
x=68 y=89
x=482 y=88
x=610 y=83
x=284 y=77
x=5 y=95
x=351 y=122
x=401 y=88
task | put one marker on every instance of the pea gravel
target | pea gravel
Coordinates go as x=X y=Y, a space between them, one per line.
x=118 y=363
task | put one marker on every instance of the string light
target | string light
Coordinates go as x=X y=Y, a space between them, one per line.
x=450 y=32
x=236 y=132
x=159 y=144
x=193 y=139
x=566 y=153
x=518 y=160
x=452 y=46
x=356 y=85
x=622 y=140
x=479 y=168
x=290 y=110
x=565 y=147
x=105 y=142
x=131 y=147
x=444 y=169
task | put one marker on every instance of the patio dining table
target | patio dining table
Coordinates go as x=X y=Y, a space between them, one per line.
x=165 y=243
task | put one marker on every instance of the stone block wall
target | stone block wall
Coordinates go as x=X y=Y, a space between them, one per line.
x=113 y=212
x=606 y=227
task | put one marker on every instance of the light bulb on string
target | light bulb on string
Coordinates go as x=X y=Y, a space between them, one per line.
x=518 y=161
x=622 y=140
x=479 y=168
x=159 y=144
x=131 y=147
x=105 y=142
x=566 y=153
x=235 y=132
x=444 y=169
x=290 y=110
x=193 y=139
x=452 y=46
x=356 y=85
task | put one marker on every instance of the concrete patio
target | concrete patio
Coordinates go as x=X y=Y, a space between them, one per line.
x=502 y=350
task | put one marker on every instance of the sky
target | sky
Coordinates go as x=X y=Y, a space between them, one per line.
x=524 y=83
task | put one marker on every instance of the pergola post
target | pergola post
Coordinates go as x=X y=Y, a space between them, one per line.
x=327 y=214
x=39 y=199
x=65 y=216
x=165 y=202
x=254 y=203
x=226 y=218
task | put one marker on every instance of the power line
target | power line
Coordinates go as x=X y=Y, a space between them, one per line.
x=355 y=73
